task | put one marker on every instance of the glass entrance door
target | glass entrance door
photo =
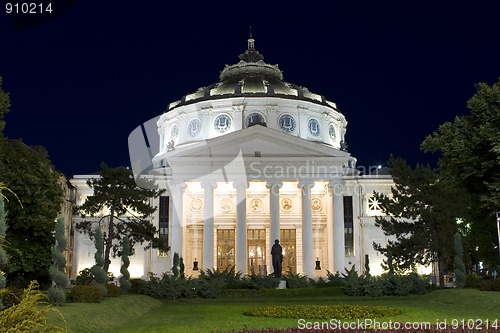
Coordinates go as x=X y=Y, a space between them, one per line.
x=256 y=243
x=225 y=249
x=287 y=241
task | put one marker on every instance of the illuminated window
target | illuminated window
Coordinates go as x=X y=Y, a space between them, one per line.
x=373 y=204
x=348 y=227
x=163 y=222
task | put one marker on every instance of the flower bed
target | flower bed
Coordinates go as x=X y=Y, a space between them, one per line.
x=323 y=311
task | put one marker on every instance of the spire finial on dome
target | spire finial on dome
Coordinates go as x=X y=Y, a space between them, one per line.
x=251 y=41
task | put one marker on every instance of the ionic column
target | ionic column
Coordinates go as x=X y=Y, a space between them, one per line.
x=177 y=192
x=338 y=224
x=307 y=231
x=208 y=224
x=274 y=209
x=241 y=226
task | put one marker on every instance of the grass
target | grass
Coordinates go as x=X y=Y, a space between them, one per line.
x=141 y=314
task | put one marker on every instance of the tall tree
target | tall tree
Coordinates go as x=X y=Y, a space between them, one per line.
x=28 y=172
x=470 y=148
x=123 y=209
x=28 y=175
x=422 y=217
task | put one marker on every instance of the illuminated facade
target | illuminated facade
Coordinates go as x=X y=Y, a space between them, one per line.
x=248 y=160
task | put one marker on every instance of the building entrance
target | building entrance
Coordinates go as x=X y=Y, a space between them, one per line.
x=287 y=241
x=225 y=249
x=256 y=243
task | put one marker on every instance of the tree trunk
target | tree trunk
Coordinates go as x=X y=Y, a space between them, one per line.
x=440 y=270
x=109 y=242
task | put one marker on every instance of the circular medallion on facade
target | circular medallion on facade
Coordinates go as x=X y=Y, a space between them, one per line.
x=256 y=205
x=196 y=205
x=222 y=123
x=254 y=118
x=287 y=123
x=226 y=204
x=316 y=204
x=286 y=205
x=331 y=131
x=174 y=131
x=313 y=125
x=194 y=127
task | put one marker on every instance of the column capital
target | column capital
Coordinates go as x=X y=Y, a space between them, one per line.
x=177 y=184
x=336 y=183
x=306 y=182
x=273 y=183
x=240 y=183
x=208 y=184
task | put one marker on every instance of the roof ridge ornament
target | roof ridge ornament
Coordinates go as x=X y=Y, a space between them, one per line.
x=251 y=41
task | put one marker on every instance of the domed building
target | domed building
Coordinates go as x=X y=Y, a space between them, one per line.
x=248 y=160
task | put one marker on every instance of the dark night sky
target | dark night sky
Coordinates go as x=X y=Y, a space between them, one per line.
x=82 y=81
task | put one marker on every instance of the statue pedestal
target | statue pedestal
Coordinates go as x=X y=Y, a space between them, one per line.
x=282 y=285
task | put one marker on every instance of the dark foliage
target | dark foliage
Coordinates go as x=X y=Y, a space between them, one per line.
x=113 y=290
x=86 y=294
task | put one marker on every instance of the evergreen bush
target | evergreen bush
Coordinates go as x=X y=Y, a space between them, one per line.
x=490 y=285
x=56 y=295
x=295 y=280
x=100 y=276
x=137 y=286
x=87 y=294
x=113 y=290
x=125 y=284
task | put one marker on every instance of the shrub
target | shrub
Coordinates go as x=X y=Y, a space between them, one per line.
x=87 y=294
x=295 y=280
x=165 y=287
x=137 y=286
x=56 y=295
x=263 y=282
x=11 y=296
x=373 y=286
x=228 y=275
x=210 y=289
x=490 y=285
x=473 y=281
x=353 y=283
x=113 y=290
x=30 y=315
x=335 y=279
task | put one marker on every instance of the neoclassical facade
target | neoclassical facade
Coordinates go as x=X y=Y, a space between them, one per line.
x=248 y=160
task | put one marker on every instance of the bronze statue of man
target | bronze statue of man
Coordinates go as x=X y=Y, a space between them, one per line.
x=277 y=256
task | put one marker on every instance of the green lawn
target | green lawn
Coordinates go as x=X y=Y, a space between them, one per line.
x=138 y=313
